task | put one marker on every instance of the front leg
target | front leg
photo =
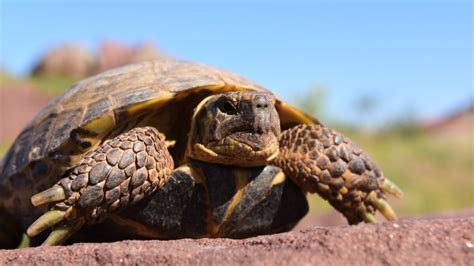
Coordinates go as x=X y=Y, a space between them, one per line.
x=322 y=161
x=119 y=172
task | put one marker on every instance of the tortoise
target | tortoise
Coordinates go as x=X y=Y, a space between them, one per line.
x=173 y=149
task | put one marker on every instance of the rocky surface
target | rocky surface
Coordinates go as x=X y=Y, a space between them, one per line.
x=439 y=241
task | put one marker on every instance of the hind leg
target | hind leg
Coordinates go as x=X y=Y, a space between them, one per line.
x=120 y=172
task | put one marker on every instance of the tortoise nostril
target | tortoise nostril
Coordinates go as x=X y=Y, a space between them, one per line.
x=261 y=102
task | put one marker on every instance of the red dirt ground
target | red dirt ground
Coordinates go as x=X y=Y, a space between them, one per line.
x=433 y=241
x=19 y=102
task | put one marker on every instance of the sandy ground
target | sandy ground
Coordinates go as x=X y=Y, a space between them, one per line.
x=432 y=241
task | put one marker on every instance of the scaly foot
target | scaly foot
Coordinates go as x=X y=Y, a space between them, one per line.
x=119 y=172
x=323 y=161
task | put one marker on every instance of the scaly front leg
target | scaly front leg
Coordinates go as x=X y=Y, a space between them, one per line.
x=323 y=161
x=119 y=172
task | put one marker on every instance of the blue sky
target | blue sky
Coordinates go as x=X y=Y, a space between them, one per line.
x=409 y=55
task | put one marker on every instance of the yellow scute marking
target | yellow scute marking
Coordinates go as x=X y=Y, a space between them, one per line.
x=278 y=179
x=101 y=124
x=241 y=181
x=192 y=172
x=289 y=114
x=156 y=102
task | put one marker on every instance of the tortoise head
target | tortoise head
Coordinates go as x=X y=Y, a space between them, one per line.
x=235 y=128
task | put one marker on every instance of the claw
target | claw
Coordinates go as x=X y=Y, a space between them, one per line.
x=385 y=209
x=369 y=217
x=389 y=187
x=47 y=220
x=53 y=194
x=61 y=233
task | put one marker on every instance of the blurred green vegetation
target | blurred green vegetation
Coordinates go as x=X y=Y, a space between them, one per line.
x=4 y=76
x=3 y=148
x=52 y=84
x=49 y=84
x=313 y=101
x=436 y=173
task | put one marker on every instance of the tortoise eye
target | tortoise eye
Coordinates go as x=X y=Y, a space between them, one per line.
x=227 y=107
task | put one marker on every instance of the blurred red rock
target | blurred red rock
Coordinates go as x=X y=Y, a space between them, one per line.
x=147 y=51
x=113 y=54
x=19 y=103
x=458 y=124
x=73 y=60
x=70 y=60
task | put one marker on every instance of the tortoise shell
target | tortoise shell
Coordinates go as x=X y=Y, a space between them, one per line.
x=161 y=94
